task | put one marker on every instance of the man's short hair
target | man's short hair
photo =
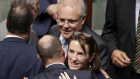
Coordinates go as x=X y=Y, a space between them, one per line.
x=31 y=3
x=49 y=47
x=73 y=3
x=19 y=19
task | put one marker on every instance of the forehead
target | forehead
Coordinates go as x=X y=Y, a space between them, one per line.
x=75 y=45
x=68 y=12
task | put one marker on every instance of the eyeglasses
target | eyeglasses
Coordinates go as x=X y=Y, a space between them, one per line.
x=69 y=22
x=82 y=33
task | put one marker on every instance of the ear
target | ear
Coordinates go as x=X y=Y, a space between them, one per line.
x=30 y=28
x=55 y=17
x=39 y=57
x=6 y=23
x=83 y=18
x=91 y=57
x=36 y=4
x=63 y=52
x=35 y=9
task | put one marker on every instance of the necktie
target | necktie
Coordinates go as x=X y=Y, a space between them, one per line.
x=65 y=45
x=136 y=63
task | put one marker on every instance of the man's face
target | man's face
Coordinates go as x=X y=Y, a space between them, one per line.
x=69 y=21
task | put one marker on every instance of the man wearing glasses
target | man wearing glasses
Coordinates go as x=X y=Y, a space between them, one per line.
x=71 y=16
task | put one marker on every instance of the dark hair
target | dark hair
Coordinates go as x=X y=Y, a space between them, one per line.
x=50 y=49
x=85 y=38
x=19 y=19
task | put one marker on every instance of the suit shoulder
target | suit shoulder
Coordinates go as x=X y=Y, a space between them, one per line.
x=97 y=38
x=82 y=74
x=54 y=30
x=40 y=76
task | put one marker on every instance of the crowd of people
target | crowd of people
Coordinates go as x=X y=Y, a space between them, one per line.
x=48 y=39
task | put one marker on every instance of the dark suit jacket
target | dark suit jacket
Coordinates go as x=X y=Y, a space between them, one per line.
x=33 y=39
x=17 y=59
x=43 y=21
x=54 y=30
x=119 y=33
x=53 y=72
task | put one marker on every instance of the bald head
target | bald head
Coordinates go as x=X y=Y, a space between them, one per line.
x=49 y=48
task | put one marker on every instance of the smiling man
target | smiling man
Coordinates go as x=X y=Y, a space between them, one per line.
x=71 y=16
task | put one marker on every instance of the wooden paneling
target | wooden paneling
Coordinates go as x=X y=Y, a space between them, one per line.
x=89 y=12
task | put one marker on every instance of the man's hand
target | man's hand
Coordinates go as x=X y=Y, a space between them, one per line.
x=65 y=76
x=51 y=10
x=25 y=78
x=120 y=59
x=104 y=73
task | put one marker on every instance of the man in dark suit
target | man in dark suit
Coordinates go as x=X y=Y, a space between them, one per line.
x=17 y=58
x=52 y=55
x=34 y=4
x=71 y=17
x=120 y=34
x=46 y=17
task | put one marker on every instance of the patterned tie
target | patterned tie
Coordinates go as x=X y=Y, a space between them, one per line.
x=65 y=45
x=136 y=64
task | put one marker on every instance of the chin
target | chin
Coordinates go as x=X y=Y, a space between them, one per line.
x=66 y=36
x=74 y=68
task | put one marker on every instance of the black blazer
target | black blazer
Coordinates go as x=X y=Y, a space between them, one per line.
x=54 y=30
x=53 y=72
x=18 y=59
x=119 y=33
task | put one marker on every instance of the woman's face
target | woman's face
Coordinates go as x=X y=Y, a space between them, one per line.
x=77 y=58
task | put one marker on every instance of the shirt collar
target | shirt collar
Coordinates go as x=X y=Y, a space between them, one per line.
x=54 y=63
x=7 y=36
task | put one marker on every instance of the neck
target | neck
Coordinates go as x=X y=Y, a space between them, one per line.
x=52 y=61
x=24 y=36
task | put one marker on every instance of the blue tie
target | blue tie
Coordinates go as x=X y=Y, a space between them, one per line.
x=65 y=45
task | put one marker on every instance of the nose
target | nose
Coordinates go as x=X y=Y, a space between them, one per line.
x=74 y=57
x=66 y=25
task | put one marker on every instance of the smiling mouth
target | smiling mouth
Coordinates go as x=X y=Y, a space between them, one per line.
x=74 y=64
x=66 y=31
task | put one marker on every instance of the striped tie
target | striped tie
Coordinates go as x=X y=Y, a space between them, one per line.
x=136 y=64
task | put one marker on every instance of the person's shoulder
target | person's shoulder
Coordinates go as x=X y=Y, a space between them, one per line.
x=99 y=75
x=39 y=76
x=82 y=74
x=54 y=30
x=97 y=37
x=54 y=27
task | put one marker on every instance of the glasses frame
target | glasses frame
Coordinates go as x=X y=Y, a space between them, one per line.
x=68 y=21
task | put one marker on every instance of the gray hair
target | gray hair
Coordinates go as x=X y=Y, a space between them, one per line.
x=72 y=3
x=24 y=2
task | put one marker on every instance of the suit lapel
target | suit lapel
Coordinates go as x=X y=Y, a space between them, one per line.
x=132 y=4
